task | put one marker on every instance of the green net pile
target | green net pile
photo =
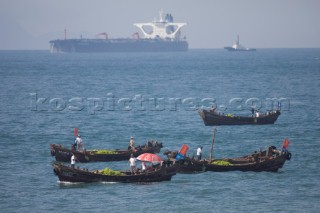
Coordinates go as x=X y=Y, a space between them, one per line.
x=221 y=163
x=107 y=171
x=102 y=151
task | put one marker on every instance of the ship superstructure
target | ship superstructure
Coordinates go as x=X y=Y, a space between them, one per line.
x=237 y=47
x=164 y=28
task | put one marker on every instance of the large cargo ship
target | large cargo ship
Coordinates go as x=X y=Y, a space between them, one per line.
x=158 y=36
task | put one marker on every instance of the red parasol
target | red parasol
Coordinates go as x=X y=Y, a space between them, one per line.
x=153 y=158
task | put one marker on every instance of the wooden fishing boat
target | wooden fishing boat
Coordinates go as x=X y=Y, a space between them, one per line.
x=256 y=162
x=76 y=175
x=270 y=160
x=190 y=165
x=212 y=118
x=64 y=154
x=185 y=165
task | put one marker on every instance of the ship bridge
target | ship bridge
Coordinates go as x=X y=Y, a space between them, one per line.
x=164 y=28
x=237 y=45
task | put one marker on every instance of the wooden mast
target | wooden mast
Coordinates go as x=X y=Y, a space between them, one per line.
x=211 y=151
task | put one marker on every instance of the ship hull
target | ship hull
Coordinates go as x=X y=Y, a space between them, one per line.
x=239 y=50
x=117 y=45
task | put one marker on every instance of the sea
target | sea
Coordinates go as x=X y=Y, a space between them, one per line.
x=110 y=97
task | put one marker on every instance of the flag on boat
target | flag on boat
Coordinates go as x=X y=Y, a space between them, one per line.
x=182 y=152
x=285 y=144
x=75 y=132
x=184 y=149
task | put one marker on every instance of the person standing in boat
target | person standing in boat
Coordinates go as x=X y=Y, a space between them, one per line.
x=73 y=161
x=133 y=163
x=257 y=114
x=199 y=152
x=131 y=143
x=79 y=143
x=212 y=109
x=252 y=111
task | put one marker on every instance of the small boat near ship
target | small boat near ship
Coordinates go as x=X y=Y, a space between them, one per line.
x=77 y=175
x=64 y=154
x=213 y=118
x=238 y=47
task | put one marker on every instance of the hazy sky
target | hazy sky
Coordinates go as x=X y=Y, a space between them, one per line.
x=30 y=24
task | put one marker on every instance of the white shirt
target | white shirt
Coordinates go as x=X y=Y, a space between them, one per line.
x=132 y=161
x=79 y=140
x=131 y=142
x=79 y=143
x=199 y=151
x=73 y=159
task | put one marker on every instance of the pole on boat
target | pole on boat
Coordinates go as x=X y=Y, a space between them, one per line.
x=211 y=151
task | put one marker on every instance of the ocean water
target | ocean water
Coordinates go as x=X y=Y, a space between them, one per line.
x=113 y=96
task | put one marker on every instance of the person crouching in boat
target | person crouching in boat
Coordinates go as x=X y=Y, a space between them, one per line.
x=133 y=163
x=74 y=146
x=143 y=166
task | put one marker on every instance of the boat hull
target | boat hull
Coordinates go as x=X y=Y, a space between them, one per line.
x=76 y=175
x=257 y=162
x=214 y=119
x=190 y=166
x=270 y=165
x=64 y=154
x=239 y=50
x=117 y=45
